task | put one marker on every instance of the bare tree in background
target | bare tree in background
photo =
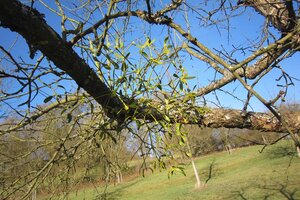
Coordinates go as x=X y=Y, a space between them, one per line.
x=109 y=58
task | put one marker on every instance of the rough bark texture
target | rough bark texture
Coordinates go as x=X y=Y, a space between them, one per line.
x=252 y=120
x=280 y=13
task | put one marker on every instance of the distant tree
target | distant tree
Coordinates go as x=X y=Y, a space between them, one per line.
x=110 y=57
x=291 y=109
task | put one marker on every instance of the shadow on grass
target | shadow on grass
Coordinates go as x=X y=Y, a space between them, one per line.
x=268 y=191
x=116 y=193
x=280 y=151
x=210 y=171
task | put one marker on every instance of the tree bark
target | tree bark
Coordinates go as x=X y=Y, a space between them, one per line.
x=280 y=13
x=252 y=120
x=198 y=182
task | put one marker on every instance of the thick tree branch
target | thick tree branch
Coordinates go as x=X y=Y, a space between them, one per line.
x=255 y=121
x=251 y=72
x=30 y=24
x=280 y=13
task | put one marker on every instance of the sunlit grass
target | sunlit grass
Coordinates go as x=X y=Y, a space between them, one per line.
x=245 y=174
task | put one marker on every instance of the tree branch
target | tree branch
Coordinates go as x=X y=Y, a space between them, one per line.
x=281 y=14
x=31 y=25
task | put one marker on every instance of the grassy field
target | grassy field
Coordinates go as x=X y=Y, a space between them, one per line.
x=245 y=174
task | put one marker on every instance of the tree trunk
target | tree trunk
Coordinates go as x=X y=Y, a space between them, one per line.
x=198 y=182
x=33 y=195
x=228 y=149
x=121 y=177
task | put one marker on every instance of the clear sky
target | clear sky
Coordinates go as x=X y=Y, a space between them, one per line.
x=244 y=31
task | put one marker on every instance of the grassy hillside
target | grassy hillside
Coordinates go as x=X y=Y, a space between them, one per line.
x=246 y=174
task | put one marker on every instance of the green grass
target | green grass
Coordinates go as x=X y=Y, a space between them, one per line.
x=246 y=174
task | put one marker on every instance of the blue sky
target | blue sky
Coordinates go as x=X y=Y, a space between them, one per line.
x=244 y=29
